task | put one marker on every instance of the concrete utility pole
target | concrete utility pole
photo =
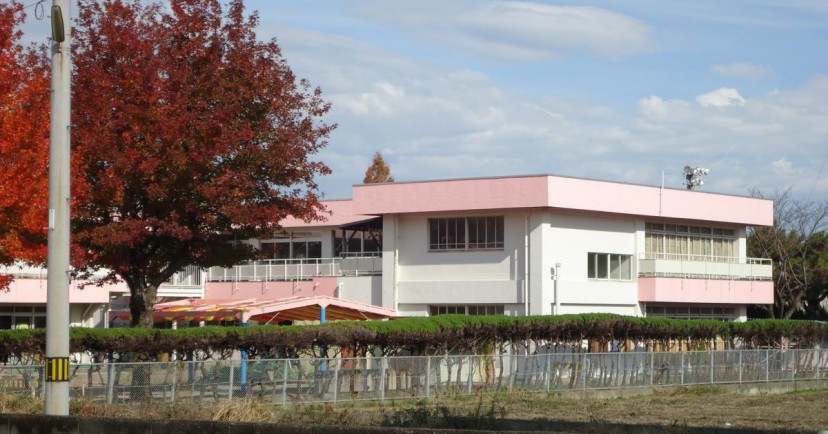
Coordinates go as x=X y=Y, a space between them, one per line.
x=57 y=285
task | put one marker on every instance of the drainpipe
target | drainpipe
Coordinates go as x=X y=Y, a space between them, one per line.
x=526 y=265
x=396 y=261
x=557 y=277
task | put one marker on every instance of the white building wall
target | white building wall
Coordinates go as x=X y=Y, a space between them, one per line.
x=497 y=277
x=454 y=277
x=390 y=245
x=362 y=289
x=571 y=238
x=87 y=315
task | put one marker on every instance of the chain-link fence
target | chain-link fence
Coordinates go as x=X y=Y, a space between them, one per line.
x=285 y=381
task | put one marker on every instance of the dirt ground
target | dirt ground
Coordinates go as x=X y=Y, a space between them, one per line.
x=801 y=411
x=805 y=411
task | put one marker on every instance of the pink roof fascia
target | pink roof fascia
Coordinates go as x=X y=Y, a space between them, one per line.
x=337 y=213
x=23 y=290
x=567 y=194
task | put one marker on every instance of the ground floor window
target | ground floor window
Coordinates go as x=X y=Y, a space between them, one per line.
x=693 y=312
x=22 y=316
x=462 y=309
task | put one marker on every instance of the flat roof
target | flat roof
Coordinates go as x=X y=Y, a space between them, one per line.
x=559 y=193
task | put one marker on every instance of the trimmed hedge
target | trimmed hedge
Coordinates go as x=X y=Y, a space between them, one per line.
x=422 y=335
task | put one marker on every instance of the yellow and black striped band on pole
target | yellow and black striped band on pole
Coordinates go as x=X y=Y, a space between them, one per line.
x=57 y=369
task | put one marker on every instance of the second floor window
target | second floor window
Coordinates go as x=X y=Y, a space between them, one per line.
x=609 y=266
x=465 y=233
x=694 y=243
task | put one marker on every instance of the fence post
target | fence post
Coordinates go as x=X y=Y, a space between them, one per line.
x=681 y=368
x=383 y=372
x=428 y=377
x=511 y=370
x=548 y=371
x=584 y=369
x=174 y=380
x=110 y=381
x=740 y=366
x=336 y=379
x=767 y=365
x=652 y=366
x=284 y=382
x=471 y=372
x=712 y=364
x=794 y=354
x=230 y=383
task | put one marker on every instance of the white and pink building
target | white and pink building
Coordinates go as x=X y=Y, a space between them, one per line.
x=520 y=245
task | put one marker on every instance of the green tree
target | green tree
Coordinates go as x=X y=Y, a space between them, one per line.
x=378 y=171
x=797 y=246
x=189 y=135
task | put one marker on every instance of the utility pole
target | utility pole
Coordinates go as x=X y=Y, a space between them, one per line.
x=57 y=285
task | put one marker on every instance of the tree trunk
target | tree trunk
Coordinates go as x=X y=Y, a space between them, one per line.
x=141 y=303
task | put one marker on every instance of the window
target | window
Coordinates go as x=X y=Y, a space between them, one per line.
x=290 y=250
x=465 y=233
x=692 y=312
x=689 y=242
x=608 y=266
x=22 y=316
x=481 y=309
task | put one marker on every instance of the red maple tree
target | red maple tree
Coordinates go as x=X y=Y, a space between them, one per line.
x=189 y=135
x=24 y=144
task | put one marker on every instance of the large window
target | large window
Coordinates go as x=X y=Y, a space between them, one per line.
x=609 y=266
x=465 y=233
x=296 y=245
x=473 y=309
x=695 y=243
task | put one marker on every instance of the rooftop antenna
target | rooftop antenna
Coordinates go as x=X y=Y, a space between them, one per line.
x=694 y=176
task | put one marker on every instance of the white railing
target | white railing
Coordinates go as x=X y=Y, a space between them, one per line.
x=704 y=267
x=298 y=269
x=188 y=282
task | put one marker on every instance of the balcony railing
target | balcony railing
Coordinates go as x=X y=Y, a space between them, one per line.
x=704 y=267
x=299 y=269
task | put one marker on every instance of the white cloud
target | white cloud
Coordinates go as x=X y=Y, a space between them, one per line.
x=723 y=97
x=742 y=70
x=517 y=31
x=435 y=121
x=784 y=167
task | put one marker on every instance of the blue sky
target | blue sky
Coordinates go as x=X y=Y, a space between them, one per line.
x=615 y=90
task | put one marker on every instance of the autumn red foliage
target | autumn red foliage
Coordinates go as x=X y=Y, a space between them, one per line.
x=24 y=144
x=188 y=134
